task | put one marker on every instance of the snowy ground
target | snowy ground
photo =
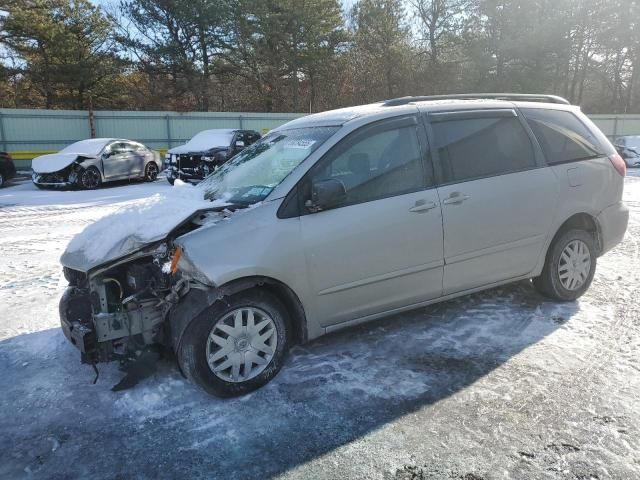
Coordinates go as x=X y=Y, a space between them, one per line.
x=501 y=384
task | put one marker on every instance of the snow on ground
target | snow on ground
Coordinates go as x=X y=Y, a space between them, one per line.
x=502 y=384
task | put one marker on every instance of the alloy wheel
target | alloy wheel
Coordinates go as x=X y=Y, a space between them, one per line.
x=241 y=344
x=91 y=178
x=152 y=171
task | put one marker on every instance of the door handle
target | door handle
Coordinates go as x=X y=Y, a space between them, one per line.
x=422 y=206
x=455 y=198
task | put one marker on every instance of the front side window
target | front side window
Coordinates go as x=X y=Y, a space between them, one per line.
x=120 y=148
x=482 y=147
x=562 y=136
x=376 y=164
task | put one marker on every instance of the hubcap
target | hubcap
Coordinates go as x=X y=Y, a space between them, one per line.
x=241 y=344
x=574 y=265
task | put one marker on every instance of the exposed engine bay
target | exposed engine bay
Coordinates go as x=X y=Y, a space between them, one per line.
x=115 y=311
x=68 y=176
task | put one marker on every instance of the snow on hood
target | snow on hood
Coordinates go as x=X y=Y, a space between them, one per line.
x=133 y=226
x=205 y=140
x=55 y=161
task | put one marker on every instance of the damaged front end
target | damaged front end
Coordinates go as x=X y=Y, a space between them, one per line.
x=116 y=311
x=67 y=177
x=120 y=309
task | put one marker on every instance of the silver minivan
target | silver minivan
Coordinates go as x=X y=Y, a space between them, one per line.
x=346 y=216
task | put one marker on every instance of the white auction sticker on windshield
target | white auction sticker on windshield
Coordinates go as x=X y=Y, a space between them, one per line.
x=298 y=143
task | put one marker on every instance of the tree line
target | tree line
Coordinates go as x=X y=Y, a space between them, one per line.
x=313 y=55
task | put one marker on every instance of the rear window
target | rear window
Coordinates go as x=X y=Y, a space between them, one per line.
x=482 y=147
x=563 y=137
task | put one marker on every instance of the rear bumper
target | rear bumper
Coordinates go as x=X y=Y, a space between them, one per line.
x=613 y=222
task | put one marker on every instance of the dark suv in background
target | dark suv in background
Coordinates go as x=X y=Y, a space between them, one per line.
x=7 y=168
x=205 y=152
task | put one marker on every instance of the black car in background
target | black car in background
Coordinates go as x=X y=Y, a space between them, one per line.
x=7 y=168
x=629 y=149
x=205 y=152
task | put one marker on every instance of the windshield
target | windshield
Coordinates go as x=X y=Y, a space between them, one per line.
x=91 y=147
x=252 y=174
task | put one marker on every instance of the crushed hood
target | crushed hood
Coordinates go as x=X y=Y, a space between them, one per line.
x=134 y=226
x=56 y=161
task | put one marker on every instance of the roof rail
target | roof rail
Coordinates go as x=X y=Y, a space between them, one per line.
x=522 y=97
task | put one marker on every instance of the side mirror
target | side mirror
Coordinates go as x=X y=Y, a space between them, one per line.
x=326 y=194
x=239 y=144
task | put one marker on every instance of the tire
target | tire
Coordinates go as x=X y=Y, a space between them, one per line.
x=565 y=275
x=2 y=179
x=197 y=345
x=151 y=172
x=90 y=178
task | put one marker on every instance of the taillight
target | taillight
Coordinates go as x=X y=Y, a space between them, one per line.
x=618 y=164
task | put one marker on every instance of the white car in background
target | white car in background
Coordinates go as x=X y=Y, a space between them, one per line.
x=89 y=163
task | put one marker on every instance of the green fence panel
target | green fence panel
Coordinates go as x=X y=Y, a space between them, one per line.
x=27 y=133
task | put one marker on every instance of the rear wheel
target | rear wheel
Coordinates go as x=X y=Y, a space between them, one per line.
x=569 y=267
x=2 y=179
x=151 y=172
x=90 y=178
x=236 y=345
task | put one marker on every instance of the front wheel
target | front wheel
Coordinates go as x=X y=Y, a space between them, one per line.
x=151 y=172
x=569 y=267
x=237 y=345
x=90 y=178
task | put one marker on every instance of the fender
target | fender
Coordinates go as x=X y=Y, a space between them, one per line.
x=199 y=298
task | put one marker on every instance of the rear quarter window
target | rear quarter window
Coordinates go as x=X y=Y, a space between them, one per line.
x=566 y=138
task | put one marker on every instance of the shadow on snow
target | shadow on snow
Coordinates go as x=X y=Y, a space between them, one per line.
x=330 y=392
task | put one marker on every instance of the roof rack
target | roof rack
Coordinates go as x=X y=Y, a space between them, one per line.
x=522 y=97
